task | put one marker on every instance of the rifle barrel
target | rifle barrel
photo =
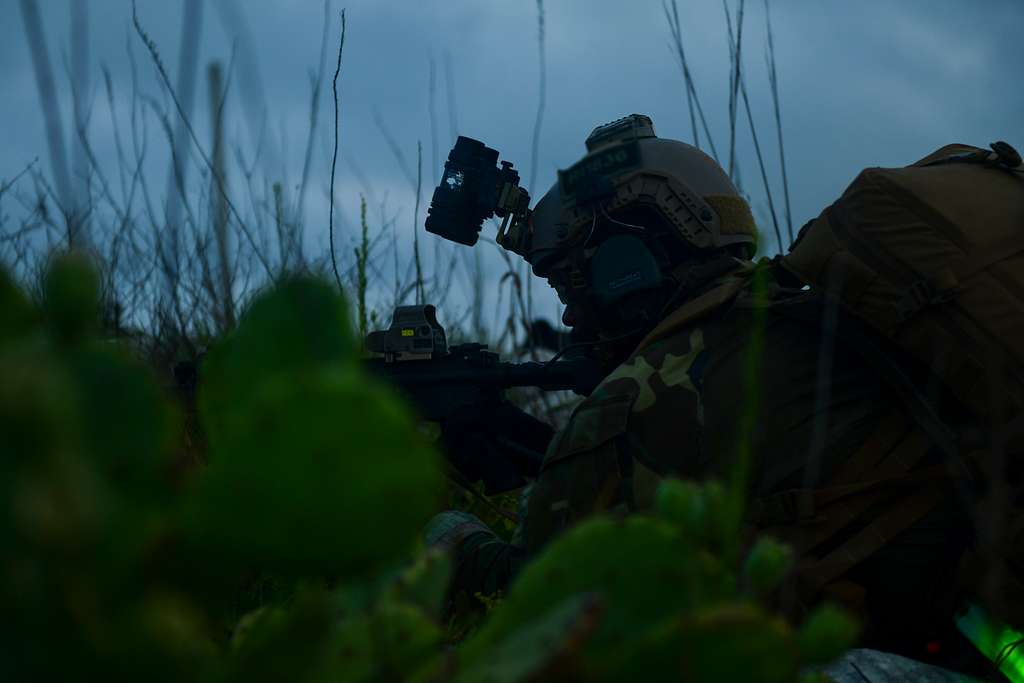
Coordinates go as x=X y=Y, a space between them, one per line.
x=578 y=375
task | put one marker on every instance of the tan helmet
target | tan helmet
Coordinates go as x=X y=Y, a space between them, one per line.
x=628 y=167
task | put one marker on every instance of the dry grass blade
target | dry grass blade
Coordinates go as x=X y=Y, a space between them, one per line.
x=760 y=163
x=735 y=58
x=773 y=82
x=449 y=86
x=51 y=110
x=535 y=146
x=362 y=259
x=314 y=115
x=396 y=149
x=219 y=209
x=334 y=158
x=675 y=27
x=432 y=111
x=169 y=238
x=416 y=224
x=5 y=186
x=79 y=67
x=155 y=54
x=673 y=23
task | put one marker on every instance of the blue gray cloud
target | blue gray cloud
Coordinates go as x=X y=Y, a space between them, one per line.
x=868 y=83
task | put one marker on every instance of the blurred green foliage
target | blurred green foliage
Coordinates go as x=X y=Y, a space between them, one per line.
x=293 y=553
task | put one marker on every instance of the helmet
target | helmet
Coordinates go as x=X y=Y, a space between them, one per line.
x=627 y=167
x=630 y=216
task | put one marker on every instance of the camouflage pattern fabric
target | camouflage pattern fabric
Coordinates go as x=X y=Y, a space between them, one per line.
x=672 y=409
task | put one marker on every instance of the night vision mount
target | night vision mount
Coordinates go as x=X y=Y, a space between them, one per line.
x=472 y=189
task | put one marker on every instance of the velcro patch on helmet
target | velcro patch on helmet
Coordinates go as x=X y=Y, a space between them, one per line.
x=733 y=213
x=590 y=177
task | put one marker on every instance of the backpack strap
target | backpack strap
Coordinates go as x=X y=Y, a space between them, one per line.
x=815 y=573
x=883 y=474
x=807 y=518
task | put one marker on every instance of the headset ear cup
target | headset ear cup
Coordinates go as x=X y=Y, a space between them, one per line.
x=623 y=265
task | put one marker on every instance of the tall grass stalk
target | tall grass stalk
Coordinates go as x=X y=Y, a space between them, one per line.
x=673 y=23
x=51 y=115
x=80 y=167
x=449 y=87
x=334 y=158
x=751 y=405
x=692 y=97
x=170 y=237
x=396 y=149
x=362 y=259
x=219 y=209
x=155 y=55
x=316 y=86
x=773 y=82
x=541 y=96
x=432 y=109
x=735 y=52
x=416 y=224
x=760 y=163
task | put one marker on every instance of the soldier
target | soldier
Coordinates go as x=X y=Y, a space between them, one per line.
x=649 y=245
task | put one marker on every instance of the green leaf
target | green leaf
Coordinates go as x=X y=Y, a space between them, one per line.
x=826 y=635
x=767 y=564
x=640 y=567
x=683 y=504
x=404 y=639
x=38 y=411
x=323 y=472
x=425 y=582
x=299 y=325
x=129 y=427
x=537 y=648
x=737 y=642
x=71 y=296
x=729 y=642
x=16 y=315
x=699 y=511
x=281 y=643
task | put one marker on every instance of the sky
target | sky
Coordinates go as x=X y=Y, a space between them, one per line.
x=866 y=83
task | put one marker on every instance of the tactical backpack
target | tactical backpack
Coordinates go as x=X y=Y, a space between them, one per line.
x=927 y=261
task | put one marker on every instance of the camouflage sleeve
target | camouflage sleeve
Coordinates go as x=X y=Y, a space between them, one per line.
x=643 y=422
x=483 y=562
x=486 y=564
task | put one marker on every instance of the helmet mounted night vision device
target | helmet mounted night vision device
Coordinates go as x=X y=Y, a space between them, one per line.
x=472 y=189
x=476 y=186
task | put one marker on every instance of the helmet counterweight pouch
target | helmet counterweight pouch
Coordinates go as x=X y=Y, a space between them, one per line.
x=621 y=266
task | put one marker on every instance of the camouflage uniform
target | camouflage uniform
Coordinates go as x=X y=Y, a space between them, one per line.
x=671 y=410
x=639 y=222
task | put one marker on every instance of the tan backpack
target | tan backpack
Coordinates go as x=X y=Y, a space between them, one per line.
x=930 y=259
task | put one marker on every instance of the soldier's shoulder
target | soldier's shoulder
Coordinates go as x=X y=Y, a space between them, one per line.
x=672 y=363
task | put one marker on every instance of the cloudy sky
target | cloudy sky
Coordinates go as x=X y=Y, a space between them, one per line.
x=871 y=82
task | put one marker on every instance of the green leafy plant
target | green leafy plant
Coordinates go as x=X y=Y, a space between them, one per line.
x=293 y=553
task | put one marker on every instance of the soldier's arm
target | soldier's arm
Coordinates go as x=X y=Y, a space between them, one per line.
x=482 y=562
x=643 y=422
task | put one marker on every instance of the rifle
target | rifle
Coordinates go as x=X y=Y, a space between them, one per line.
x=462 y=389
